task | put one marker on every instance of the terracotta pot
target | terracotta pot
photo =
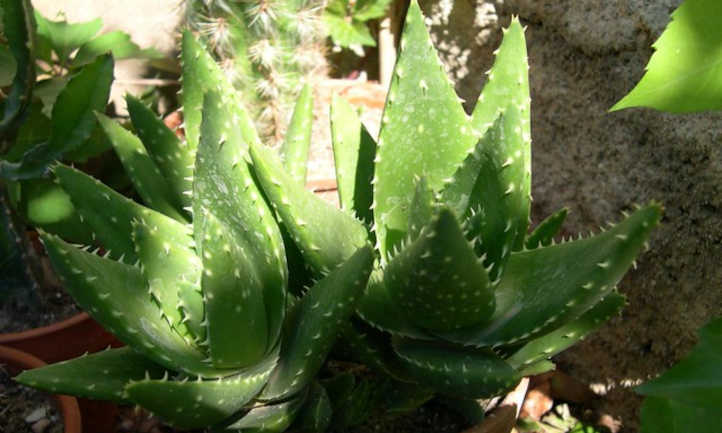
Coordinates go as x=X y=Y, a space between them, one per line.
x=63 y=340
x=17 y=361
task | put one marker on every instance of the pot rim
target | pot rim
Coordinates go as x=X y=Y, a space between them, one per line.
x=11 y=337
x=67 y=405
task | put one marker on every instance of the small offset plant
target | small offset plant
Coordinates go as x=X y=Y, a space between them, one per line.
x=456 y=296
x=347 y=22
x=195 y=283
x=268 y=49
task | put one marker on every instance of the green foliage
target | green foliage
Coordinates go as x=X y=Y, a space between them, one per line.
x=685 y=72
x=199 y=292
x=347 y=21
x=457 y=297
x=688 y=396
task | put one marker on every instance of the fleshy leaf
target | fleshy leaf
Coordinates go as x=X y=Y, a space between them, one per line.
x=323 y=309
x=456 y=371
x=100 y=376
x=200 y=403
x=545 y=231
x=224 y=186
x=174 y=157
x=200 y=75
x=116 y=296
x=173 y=271
x=424 y=131
x=325 y=235
x=507 y=83
x=560 y=339
x=437 y=281
x=271 y=418
x=108 y=213
x=683 y=74
x=294 y=152
x=500 y=196
x=379 y=310
x=236 y=319
x=421 y=209
x=141 y=169
x=697 y=379
x=353 y=152
x=533 y=299
x=315 y=415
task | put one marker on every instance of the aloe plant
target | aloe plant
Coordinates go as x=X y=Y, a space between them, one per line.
x=195 y=280
x=463 y=298
x=457 y=295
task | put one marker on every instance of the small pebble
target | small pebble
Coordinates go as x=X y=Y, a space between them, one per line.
x=41 y=425
x=36 y=415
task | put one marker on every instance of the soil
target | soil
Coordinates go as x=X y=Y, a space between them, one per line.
x=33 y=308
x=25 y=410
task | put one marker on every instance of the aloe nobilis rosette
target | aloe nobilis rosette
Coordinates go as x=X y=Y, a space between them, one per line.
x=464 y=298
x=195 y=279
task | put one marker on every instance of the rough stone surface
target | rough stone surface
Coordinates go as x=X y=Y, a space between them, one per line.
x=584 y=56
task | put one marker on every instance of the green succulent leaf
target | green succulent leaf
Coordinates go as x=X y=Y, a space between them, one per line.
x=421 y=210
x=353 y=153
x=544 y=233
x=199 y=403
x=322 y=311
x=116 y=296
x=532 y=299
x=271 y=418
x=325 y=235
x=361 y=343
x=507 y=84
x=233 y=296
x=64 y=37
x=424 y=132
x=683 y=74
x=173 y=271
x=142 y=170
x=294 y=152
x=437 y=280
x=117 y=43
x=548 y=345
x=315 y=415
x=224 y=189
x=108 y=213
x=696 y=380
x=19 y=29
x=174 y=157
x=456 y=371
x=101 y=376
x=378 y=309
x=500 y=195
x=200 y=75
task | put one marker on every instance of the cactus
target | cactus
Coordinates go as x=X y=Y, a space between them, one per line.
x=267 y=48
x=195 y=280
x=463 y=299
